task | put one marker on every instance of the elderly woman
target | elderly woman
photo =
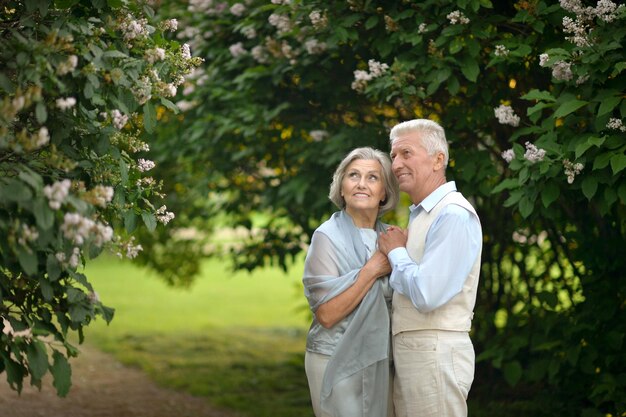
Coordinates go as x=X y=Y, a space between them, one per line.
x=346 y=283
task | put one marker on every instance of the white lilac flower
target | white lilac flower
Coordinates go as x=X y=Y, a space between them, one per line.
x=170 y=24
x=506 y=115
x=249 y=32
x=281 y=22
x=237 y=50
x=42 y=138
x=318 y=19
x=93 y=297
x=572 y=169
x=457 y=17
x=562 y=71
x=154 y=55
x=67 y=66
x=607 y=10
x=144 y=165
x=313 y=46
x=421 y=29
x=28 y=234
x=131 y=250
x=376 y=68
x=501 y=50
x=616 y=124
x=318 y=135
x=102 y=195
x=119 y=119
x=259 y=54
x=65 y=103
x=79 y=229
x=132 y=28
x=543 y=60
x=163 y=215
x=186 y=51
x=578 y=29
x=74 y=258
x=57 y=193
x=534 y=154
x=18 y=103
x=508 y=155
x=237 y=9
x=361 y=78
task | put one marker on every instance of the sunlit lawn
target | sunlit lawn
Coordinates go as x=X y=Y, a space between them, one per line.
x=235 y=338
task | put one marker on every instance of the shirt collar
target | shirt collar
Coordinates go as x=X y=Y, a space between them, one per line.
x=435 y=197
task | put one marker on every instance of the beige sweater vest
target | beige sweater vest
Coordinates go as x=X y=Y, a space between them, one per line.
x=456 y=314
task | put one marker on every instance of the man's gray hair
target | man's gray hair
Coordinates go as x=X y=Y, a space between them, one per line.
x=392 y=191
x=431 y=134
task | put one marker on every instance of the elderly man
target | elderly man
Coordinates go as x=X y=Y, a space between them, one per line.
x=436 y=264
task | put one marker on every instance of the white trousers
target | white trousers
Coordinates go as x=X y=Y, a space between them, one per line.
x=434 y=371
x=315 y=366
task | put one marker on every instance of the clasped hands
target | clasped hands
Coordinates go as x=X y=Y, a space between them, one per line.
x=393 y=237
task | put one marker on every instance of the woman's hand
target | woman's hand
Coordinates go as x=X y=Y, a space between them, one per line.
x=378 y=265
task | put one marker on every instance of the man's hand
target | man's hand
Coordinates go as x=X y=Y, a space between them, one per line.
x=393 y=237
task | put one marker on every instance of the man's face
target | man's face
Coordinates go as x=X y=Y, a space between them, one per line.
x=414 y=168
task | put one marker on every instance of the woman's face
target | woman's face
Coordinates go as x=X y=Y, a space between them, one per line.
x=363 y=187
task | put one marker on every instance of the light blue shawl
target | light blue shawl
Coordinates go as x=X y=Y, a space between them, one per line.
x=356 y=381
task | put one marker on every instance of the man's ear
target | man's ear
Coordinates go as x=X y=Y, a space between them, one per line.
x=439 y=158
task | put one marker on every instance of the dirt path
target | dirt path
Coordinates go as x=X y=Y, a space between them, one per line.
x=103 y=387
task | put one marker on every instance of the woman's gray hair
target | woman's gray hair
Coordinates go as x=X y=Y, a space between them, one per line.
x=432 y=135
x=392 y=191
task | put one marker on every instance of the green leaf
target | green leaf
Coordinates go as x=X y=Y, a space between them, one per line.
x=171 y=106
x=6 y=84
x=602 y=160
x=590 y=185
x=37 y=359
x=538 y=95
x=608 y=105
x=14 y=190
x=455 y=46
x=371 y=22
x=130 y=221
x=41 y=113
x=619 y=67
x=149 y=220
x=512 y=372
x=569 y=107
x=53 y=268
x=584 y=146
x=15 y=372
x=526 y=206
x=46 y=289
x=149 y=117
x=43 y=214
x=506 y=184
x=62 y=373
x=618 y=163
x=28 y=260
x=470 y=69
x=549 y=194
x=123 y=171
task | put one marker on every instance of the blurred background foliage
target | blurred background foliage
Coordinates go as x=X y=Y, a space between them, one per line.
x=531 y=94
x=289 y=87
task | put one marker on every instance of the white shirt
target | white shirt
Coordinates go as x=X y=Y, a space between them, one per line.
x=452 y=244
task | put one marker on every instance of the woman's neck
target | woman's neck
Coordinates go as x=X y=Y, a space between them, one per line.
x=363 y=219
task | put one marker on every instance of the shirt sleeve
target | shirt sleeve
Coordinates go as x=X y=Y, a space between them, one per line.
x=452 y=244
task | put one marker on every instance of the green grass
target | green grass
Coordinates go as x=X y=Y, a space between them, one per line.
x=236 y=339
